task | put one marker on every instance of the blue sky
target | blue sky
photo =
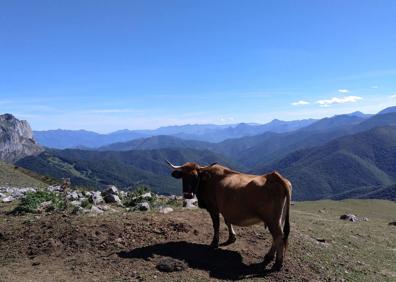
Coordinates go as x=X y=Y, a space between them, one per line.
x=109 y=65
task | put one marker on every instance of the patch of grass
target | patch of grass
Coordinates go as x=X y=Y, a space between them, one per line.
x=32 y=201
x=86 y=204
x=356 y=251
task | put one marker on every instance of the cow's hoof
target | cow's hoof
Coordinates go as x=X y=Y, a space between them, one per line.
x=267 y=259
x=230 y=241
x=277 y=266
x=214 y=245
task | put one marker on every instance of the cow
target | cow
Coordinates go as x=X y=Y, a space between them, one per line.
x=242 y=199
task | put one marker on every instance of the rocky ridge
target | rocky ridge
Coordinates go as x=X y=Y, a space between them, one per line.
x=16 y=139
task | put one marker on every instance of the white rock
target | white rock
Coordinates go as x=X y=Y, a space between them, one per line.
x=96 y=198
x=17 y=194
x=165 y=210
x=122 y=194
x=104 y=207
x=146 y=195
x=111 y=189
x=54 y=188
x=75 y=203
x=8 y=199
x=95 y=209
x=111 y=198
x=73 y=196
x=2 y=195
x=87 y=194
x=143 y=206
x=190 y=203
x=349 y=217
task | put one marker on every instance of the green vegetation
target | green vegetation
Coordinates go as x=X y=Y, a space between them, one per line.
x=32 y=201
x=134 y=198
x=345 y=164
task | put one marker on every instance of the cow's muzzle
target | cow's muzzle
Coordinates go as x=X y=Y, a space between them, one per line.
x=188 y=195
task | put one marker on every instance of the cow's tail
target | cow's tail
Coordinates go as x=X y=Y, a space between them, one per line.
x=286 y=212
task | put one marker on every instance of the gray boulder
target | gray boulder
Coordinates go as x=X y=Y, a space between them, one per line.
x=8 y=199
x=96 y=198
x=54 y=189
x=144 y=206
x=76 y=203
x=96 y=210
x=190 y=203
x=72 y=196
x=165 y=210
x=111 y=189
x=111 y=198
x=349 y=217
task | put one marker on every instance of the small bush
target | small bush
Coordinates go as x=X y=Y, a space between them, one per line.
x=33 y=200
x=86 y=204
x=135 y=197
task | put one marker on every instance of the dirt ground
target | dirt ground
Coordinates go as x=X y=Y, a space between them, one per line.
x=125 y=246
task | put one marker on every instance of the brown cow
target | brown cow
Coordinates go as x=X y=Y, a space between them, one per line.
x=242 y=199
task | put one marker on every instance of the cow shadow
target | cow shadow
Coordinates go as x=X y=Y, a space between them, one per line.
x=221 y=264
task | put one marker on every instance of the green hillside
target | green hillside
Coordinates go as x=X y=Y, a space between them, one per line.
x=127 y=169
x=11 y=175
x=345 y=164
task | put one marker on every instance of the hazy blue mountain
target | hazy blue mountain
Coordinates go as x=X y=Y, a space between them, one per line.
x=376 y=120
x=157 y=142
x=360 y=114
x=388 y=110
x=62 y=139
x=335 y=122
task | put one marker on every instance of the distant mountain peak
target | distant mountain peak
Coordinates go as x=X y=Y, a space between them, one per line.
x=359 y=114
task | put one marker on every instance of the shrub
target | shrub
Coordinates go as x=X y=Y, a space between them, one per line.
x=86 y=204
x=33 y=200
x=135 y=197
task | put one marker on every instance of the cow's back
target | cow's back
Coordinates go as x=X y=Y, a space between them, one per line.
x=243 y=199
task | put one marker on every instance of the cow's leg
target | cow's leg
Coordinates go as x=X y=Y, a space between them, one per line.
x=216 y=226
x=231 y=235
x=271 y=253
x=277 y=246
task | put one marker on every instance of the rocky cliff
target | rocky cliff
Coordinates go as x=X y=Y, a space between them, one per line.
x=16 y=139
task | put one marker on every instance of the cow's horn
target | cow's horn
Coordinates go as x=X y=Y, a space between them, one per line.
x=173 y=166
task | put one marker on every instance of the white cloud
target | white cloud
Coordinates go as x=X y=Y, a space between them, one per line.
x=374 y=87
x=337 y=100
x=393 y=96
x=343 y=91
x=300 y=103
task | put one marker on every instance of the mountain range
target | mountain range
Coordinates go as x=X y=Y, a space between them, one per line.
x=62 y=139
x=339 y=157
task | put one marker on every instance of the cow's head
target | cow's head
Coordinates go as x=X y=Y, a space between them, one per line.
x=191 y=174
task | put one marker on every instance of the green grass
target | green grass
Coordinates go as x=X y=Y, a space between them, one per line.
x=359 y=251
x=11 y=175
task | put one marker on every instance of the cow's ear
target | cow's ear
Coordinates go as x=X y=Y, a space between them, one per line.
x=177 y=174
x=205 y=175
